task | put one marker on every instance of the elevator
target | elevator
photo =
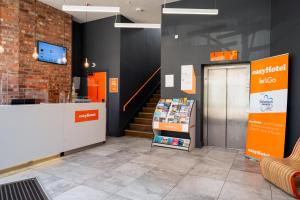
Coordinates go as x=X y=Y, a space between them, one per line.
x=226 y=105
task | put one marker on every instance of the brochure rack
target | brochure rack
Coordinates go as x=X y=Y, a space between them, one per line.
x=174 y=124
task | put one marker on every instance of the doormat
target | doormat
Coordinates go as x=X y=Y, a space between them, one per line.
x=23 y=190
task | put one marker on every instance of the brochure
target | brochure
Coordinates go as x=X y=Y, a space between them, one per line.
x=173 y=111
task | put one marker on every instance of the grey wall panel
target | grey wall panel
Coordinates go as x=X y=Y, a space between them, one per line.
x=140 y=58
x=285 y=37
x=243 y=25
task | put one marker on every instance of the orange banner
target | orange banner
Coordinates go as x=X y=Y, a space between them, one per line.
x=86 y=115
x=268 y=104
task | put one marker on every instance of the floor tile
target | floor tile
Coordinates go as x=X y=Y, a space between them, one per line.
x=131 y=170
x=83 y=158
x=123 y=156
x=109 y=183
x=214 y=162
x=235 y=191
x=82 y=193
x=196 y=187
x=55 y=186
x=29 y=173
x=178 y=195
x=209 y=171
x=244 y=164
x=117 y=197
x=223 y=156
x=79 y=174
x=177 y=164
x=247 y=178
x=140 y=189
x=56 y=166
x=163 y=175
x=107 y=163
x=186 y=154
x=121 y=146
x=162 y=152
x=102 y=150
x=148 y=160
x=278 y=194
x=155 y=184
x=200 y=152
x=139 y=150
x=225 y=149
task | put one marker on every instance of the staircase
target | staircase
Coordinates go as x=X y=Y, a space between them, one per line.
x=141 y=126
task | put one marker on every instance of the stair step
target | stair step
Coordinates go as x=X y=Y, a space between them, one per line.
x=143 y=134
x=156 y=95
x=152 y=105
x=154 y=100
x=142 y=121
x=145 y=115
x=140 y=127
x=149 y=109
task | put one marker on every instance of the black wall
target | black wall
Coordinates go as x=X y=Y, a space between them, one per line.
x=242 y=25
x=285 y=38
x=131 y=55
x=101 y=45
x=77 y=70
x=140 y=58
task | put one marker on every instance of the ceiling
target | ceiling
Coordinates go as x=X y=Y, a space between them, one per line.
x=151 y=9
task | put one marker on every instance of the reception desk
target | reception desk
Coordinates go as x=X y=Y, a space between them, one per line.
x=33 y=132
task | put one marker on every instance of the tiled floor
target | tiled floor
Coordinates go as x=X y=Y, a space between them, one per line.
x=129 y=169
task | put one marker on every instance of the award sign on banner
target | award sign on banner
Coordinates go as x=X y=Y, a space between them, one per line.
x=268 y=104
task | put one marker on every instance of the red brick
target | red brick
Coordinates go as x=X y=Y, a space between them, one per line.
x=29 y=78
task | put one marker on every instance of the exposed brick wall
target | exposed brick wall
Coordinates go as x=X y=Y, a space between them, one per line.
x=9 y=38
x=36 y=79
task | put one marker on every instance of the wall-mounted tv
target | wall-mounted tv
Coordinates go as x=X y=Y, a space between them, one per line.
x=51 y=53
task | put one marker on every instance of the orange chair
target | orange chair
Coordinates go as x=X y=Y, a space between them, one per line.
x=284 y=173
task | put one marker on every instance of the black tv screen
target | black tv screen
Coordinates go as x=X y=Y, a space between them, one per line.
x=52 y=53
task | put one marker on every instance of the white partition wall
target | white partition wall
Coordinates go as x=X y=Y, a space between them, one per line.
x=29 y=132
x=32 y=132
x=79 y=134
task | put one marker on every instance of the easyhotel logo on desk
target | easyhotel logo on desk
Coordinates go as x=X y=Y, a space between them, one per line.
x=86 y=115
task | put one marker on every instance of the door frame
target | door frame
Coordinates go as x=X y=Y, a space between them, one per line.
x=107 y=94
x=94 y=73
x=206 y=68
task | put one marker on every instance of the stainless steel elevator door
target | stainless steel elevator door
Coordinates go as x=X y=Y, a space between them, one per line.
x=216 y=107
x=237 y=107
x=226 y=102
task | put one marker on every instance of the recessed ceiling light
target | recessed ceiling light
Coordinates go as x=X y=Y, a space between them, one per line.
x=188 y=11
x=88 y=8
x=136 y=25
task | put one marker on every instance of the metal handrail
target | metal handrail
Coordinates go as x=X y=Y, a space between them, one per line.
x=140 y=89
